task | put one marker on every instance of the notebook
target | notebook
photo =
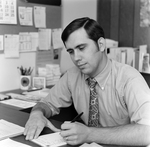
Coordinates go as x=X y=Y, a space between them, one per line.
x=50 y=140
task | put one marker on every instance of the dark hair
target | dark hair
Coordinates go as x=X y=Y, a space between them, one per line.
x=92 y=28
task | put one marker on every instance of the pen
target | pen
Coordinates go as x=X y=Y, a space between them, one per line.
x=34 y=89
x=77 y=117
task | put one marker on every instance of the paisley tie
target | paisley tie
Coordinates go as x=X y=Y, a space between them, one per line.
x=93 y=106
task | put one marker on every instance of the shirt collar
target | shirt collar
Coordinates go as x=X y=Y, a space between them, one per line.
x=103 y=76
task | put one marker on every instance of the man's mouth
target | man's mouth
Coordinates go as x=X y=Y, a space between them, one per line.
x=81 y=65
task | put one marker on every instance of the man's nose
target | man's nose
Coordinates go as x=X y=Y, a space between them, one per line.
x=77 y=56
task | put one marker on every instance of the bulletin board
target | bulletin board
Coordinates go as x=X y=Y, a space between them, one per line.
x=53 y=20
x=9 y=73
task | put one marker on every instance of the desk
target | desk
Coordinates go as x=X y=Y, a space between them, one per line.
x=66 y=114
x=20 y=118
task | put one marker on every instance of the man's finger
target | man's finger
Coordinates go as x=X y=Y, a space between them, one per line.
x=31 y=133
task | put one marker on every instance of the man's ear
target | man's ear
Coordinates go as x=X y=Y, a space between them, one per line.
x=101 y=44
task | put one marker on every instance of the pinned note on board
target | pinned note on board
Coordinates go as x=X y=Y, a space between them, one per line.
x=56 y=38
x=40 y=17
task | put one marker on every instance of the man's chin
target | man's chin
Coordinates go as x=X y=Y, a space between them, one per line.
x=84 y=71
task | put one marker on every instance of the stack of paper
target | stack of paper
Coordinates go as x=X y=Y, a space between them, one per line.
x=124 y=55
x=51 y=72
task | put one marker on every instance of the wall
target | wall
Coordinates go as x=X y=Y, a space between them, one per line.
x=72 y=9
x=121 y=21
x=9 y=76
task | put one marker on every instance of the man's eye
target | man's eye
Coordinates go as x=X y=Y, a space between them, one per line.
x=81 y=48
x=70 y=51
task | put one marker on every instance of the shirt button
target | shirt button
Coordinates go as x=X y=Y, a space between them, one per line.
x=102 y=88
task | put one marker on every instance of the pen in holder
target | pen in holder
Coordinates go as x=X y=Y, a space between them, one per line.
x=25 y=78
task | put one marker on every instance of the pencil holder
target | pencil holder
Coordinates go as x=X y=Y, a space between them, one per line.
x=25 y=82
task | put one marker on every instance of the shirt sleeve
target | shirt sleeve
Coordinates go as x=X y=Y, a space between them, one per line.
x=59 y=96
x=43 y=108
x=137 y=99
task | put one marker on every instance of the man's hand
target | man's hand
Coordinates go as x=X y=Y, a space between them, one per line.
x=34 y=126
x=75 y=133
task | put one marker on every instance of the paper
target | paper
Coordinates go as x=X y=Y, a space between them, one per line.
x=39 y=93
x=8 y=12
x=52 y=140
x=40 y=17
x=28 y=97
x=28 y=41
x=11 y=143
x=39 y=82
x=8 y=129
x=18 y=103
x=25 y=42
x=11 y=44
x=93 y=144
x=25 y=16
x=56 y=38
x=1 y=43
x=34 y=41
x=44 y=39
x=51 y=72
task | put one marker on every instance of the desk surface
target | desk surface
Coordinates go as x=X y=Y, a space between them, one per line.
x=20 y=118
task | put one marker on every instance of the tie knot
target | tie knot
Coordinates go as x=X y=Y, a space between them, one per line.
x=92 y=82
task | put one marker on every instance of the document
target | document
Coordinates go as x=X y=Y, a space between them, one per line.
x=8 y=129
x=25 y=16
x=52 y=140
x=34 y=40
x=44 y=39
x=11 y=45
x=11 y=143
x=40 y=17
x=56 y=38
x=18 y=103
x=24 y=42
x=8 y=11
x=36 y=96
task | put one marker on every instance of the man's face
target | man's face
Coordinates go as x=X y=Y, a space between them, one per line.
x=84 y=52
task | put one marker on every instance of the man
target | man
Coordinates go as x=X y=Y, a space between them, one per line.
x=119 y=97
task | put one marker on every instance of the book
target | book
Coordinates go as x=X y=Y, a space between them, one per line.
x=8 y=129
x=51 y=140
